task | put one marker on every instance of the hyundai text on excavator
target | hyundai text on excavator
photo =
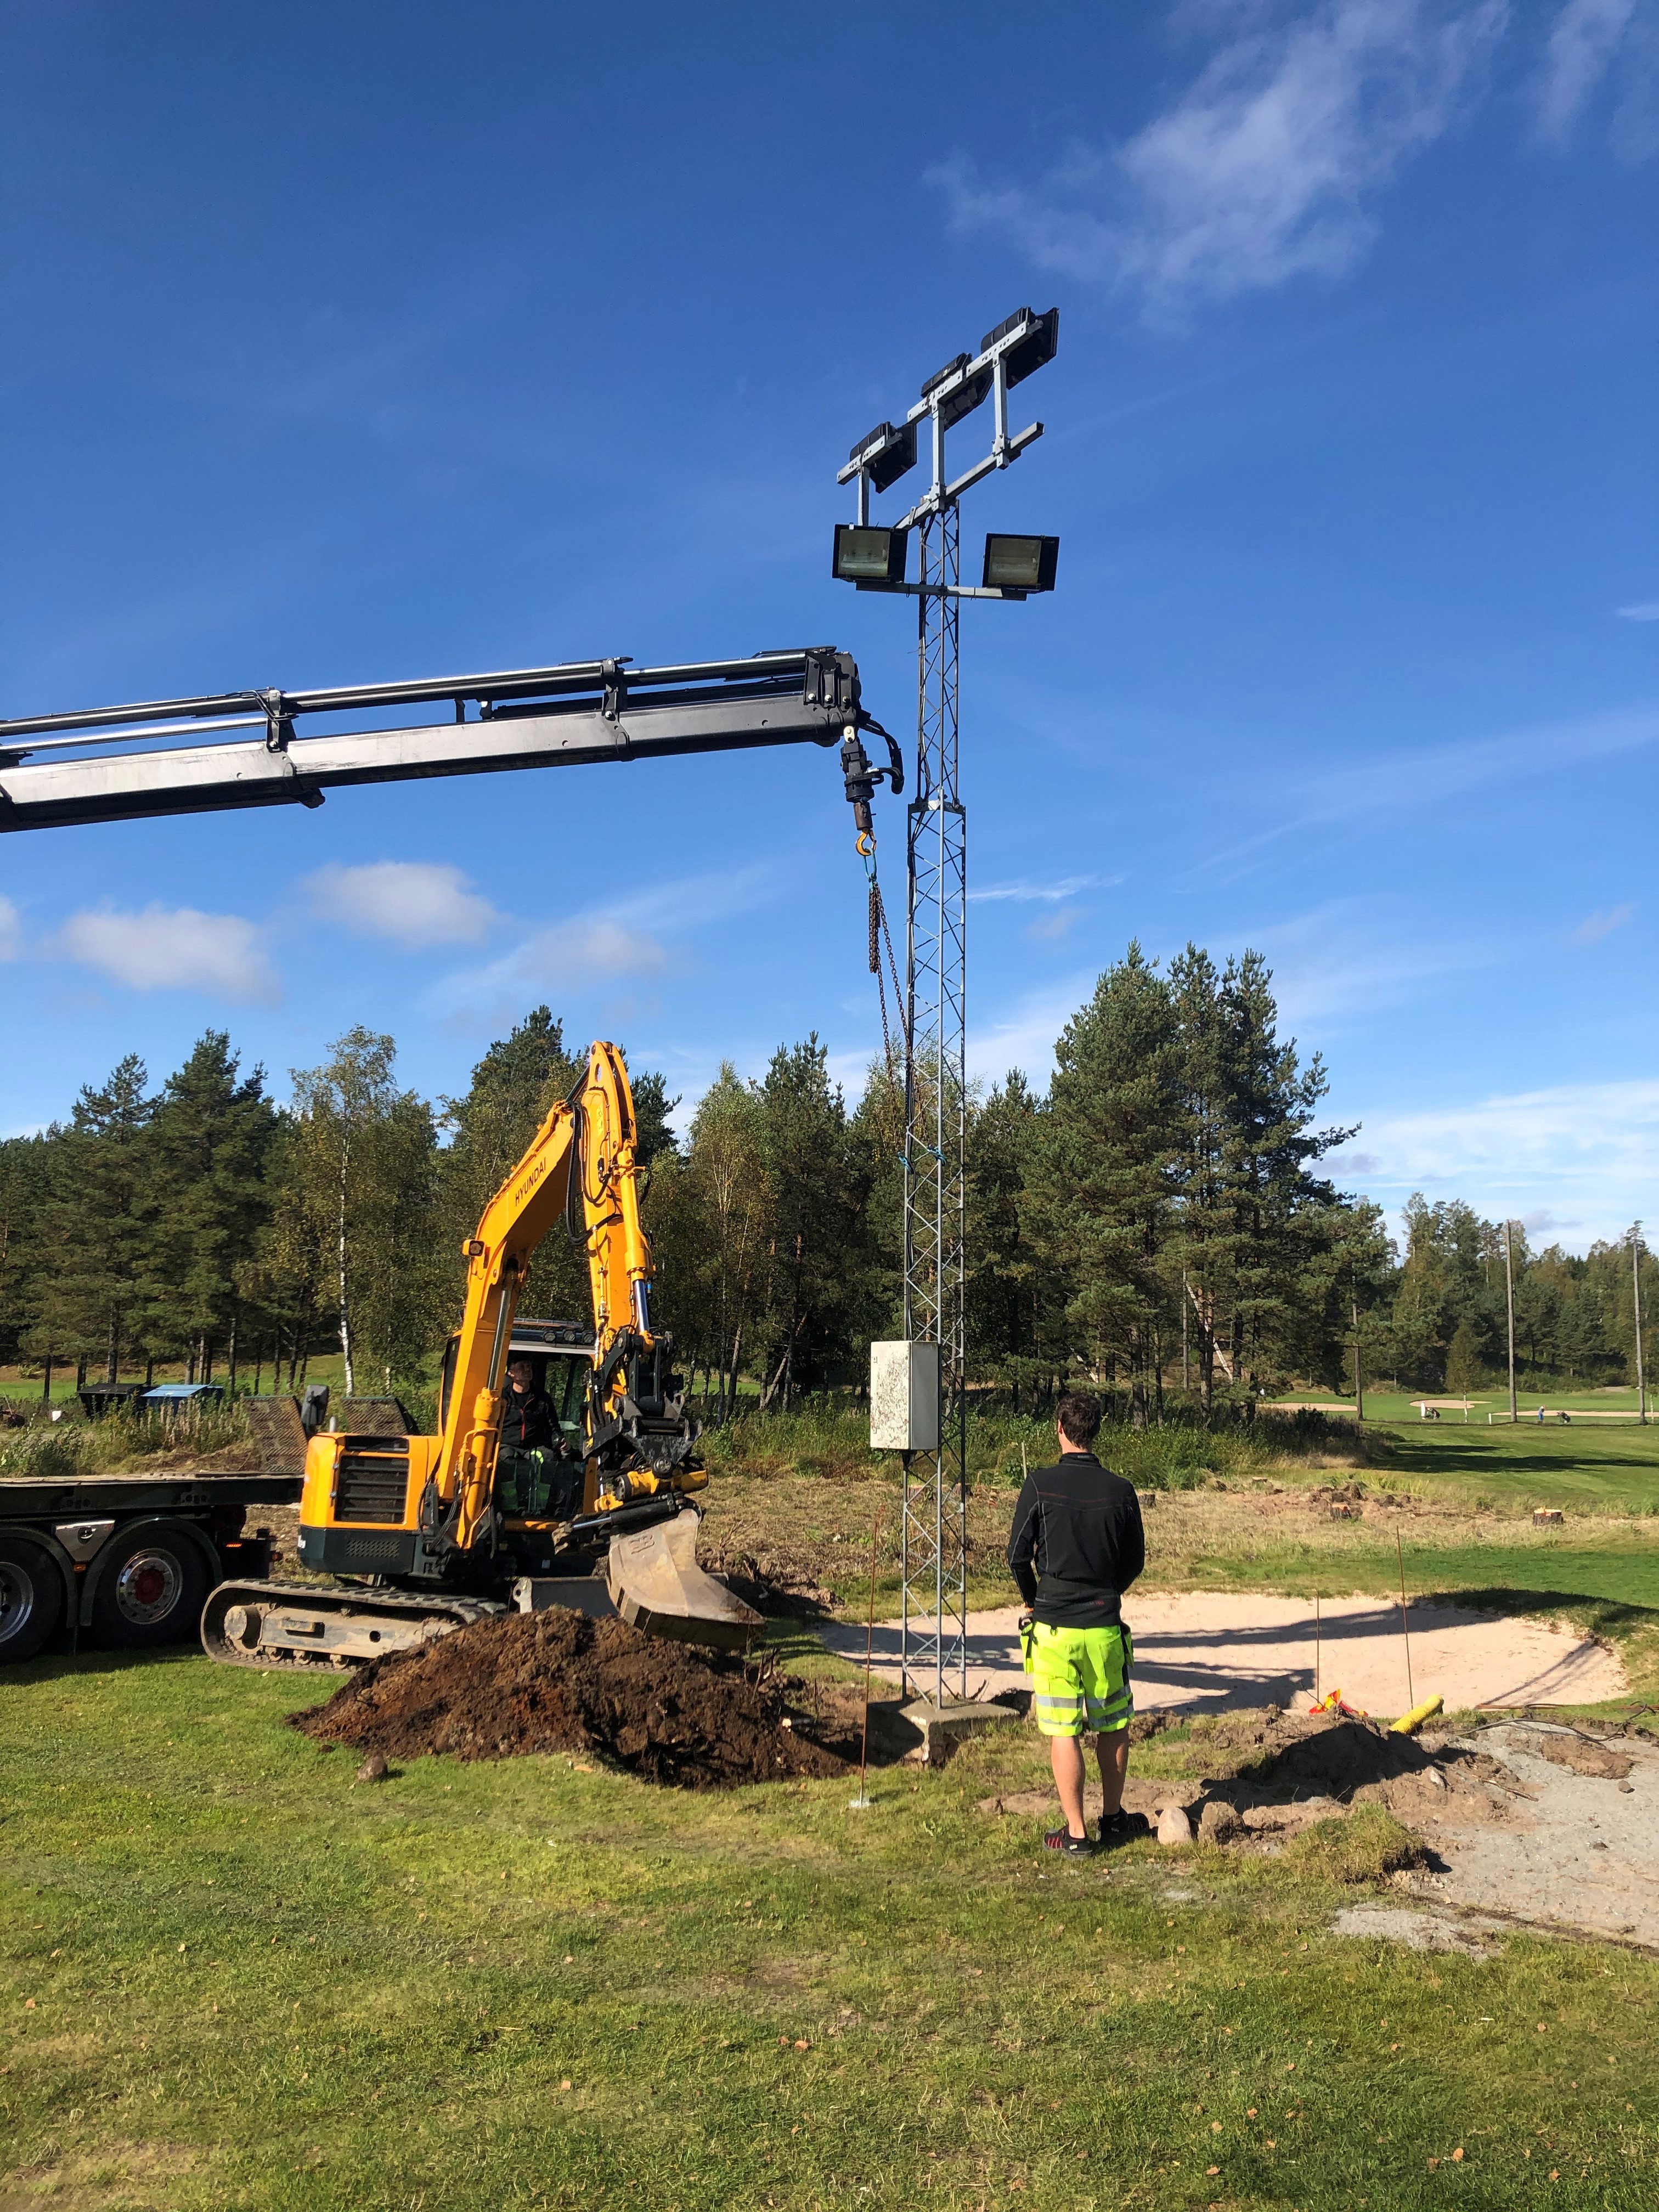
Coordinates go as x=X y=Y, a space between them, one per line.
x=447 y=1529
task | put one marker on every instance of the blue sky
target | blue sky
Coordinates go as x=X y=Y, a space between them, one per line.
x=362 y=342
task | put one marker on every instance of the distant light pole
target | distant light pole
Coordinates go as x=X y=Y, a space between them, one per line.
x=1636 y=1281
x=1509 y=1300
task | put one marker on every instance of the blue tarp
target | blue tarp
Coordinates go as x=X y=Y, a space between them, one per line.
x=172 y=1393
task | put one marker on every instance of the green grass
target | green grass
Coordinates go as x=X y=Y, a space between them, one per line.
x=1591 y=1470
x=832 y=1437
x=59 y=1450
x=255 y=1985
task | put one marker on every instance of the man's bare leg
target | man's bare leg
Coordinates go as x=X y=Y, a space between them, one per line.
x=1065 y=1758
x=1113 y=1752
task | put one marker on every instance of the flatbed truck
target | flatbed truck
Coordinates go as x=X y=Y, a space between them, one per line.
x=126 y=1560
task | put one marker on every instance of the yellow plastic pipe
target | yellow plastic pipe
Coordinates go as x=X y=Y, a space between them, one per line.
x=1408 y=1723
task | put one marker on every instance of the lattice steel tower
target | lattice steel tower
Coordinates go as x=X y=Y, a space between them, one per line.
x=935 y=1536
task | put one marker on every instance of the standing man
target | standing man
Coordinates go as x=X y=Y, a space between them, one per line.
x=1077 y=1546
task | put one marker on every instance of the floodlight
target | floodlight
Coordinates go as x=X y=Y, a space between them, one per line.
x=864 y=554
x=1021 y=564
x=967 y=396
x=1033 y=351
x=885 y=454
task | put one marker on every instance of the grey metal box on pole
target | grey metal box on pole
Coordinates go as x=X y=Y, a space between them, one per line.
x=904 y=1396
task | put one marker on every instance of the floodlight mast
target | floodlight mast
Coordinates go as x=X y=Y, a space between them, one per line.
x=933 y=1649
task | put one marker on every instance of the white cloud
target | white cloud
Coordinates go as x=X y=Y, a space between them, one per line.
x=412 y=903
x=1542 y=1223
x=11 y=931
x=1062 y=887
x=174 y=949
x=1263 y=169
x=608 y=945
x=1401 y=782
x=552 y=964
x=1025 y=1037
x=1601 y=925
x=1582 y=42
x=1349 y=957
x=1581 y=1156
x=1644 y=611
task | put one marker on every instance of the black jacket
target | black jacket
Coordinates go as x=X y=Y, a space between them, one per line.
x=1076 y=1543
x=529 y=1421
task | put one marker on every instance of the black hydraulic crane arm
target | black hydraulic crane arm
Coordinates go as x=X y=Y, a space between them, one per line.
x=58 y=770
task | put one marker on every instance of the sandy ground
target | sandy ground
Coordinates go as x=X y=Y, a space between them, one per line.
x=1581 y=1852
x=1215 y=1652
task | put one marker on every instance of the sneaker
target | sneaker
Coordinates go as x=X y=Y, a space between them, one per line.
x=1062 y=1839
x=1123 y=1828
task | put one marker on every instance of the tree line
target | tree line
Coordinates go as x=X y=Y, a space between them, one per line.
x=1160 y=1219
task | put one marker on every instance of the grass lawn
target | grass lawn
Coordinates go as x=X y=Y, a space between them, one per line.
x=231 y=1977
x=1611 y=1468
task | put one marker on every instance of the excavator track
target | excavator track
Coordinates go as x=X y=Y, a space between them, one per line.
x=303 y=1625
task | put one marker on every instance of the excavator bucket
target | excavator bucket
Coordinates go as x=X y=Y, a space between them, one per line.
x=655 y=1583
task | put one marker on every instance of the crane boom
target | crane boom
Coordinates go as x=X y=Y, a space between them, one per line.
x=106 y=765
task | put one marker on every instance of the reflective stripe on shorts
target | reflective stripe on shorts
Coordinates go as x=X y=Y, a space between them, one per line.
x=1080 y=1678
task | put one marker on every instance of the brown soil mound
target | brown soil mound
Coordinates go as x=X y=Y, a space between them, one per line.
x=557 y=1681
x=1580 y=1756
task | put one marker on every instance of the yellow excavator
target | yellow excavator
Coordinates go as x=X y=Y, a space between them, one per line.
x=427 y=1534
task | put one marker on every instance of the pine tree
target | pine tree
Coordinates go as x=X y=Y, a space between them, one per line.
x=97 y=1221
x=815 y=1262
x=24 y=1165
x=1105 y=1174
x=710 y=1260
x=514 y=1087
x=210 y=1144
x=1016 y=1324
x=1279 y=1212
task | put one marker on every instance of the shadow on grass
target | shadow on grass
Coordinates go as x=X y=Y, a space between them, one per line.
x=57 y=1665
x=1610 y=1618
x=1411 y=1453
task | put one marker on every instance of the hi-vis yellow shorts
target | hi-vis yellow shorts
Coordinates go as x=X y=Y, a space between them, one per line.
x=1080 y=1678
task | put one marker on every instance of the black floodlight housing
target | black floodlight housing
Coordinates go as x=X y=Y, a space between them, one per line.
x=885 y=454
x=965 y=399
x=1020 y=564
x=866 y=554
x=1034 y=351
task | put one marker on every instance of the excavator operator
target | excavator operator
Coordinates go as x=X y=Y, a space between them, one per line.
x=534 y=1472
x=528 y=1422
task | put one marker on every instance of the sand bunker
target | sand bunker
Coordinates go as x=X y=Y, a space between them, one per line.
x=1211 y=1650
x=557 y=1681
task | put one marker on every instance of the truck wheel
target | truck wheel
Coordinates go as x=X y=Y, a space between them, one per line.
x=31 y=1598
x=151 y=1590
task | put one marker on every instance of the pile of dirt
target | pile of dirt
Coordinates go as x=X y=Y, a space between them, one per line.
x=1579 y=1754
x=555 y=1681
x=1271 y=1753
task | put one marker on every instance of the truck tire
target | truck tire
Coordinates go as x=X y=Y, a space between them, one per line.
x=150 y=1590
x=31 y=1598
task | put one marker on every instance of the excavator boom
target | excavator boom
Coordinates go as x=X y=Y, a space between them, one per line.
x=427 y=1515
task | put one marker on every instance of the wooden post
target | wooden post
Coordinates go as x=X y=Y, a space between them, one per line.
x=1358 y=1378
x=1508 y=1301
